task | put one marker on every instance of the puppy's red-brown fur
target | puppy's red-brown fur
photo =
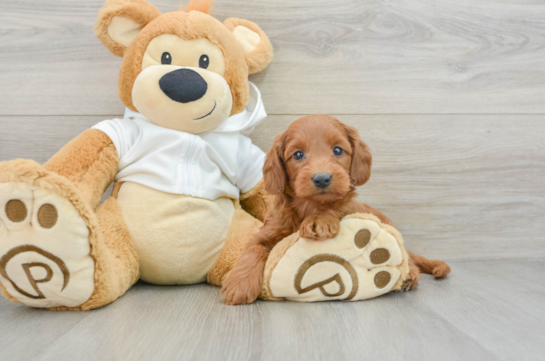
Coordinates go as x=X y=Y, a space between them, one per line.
x=312 y=169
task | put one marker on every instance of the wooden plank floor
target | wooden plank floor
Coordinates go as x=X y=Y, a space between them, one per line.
x=492 y=310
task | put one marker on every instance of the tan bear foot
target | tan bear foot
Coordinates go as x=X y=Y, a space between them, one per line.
x=44 y=247
x=367 y=259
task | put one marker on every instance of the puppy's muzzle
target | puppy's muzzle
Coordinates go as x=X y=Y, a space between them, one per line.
x=183 y=85
x=322 y=180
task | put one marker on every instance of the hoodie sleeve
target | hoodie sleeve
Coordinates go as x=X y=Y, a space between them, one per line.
x=249 y=164
x=122 y=132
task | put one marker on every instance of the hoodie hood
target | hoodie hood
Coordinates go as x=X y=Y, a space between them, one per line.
x=243 y=122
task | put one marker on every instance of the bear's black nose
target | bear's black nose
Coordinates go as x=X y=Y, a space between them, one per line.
x=183 y=85
x=321 y=180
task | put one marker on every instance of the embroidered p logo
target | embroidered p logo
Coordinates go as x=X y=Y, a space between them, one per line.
x=336 y=278
x=28 y=266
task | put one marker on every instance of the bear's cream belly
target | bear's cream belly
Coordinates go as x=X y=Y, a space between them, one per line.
x=178 y=238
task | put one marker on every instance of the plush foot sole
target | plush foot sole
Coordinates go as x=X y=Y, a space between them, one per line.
x=44 y=248
x=367 y=259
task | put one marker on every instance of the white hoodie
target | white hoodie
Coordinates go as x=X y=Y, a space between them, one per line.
x=218 y=163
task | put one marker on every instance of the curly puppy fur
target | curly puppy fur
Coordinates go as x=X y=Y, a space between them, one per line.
x=313 y=146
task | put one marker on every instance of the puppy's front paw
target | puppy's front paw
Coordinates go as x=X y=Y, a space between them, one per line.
x=241 y=288
x=318 y=228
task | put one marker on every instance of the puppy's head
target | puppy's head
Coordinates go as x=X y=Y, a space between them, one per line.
x=317 y=158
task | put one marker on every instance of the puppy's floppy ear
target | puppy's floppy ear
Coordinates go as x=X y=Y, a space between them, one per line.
x=274 y=170
x=256 y=45
x=120 y=21
x=360 y=167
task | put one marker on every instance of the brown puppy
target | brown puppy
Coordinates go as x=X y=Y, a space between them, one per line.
x=313 y=169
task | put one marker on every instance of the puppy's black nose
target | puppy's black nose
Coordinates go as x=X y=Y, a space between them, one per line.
x=183 y=85
x=322 y=180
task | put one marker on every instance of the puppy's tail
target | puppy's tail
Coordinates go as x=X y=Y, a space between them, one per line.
x=438 y=269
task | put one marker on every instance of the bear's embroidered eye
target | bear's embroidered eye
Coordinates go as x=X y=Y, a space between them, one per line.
x=166 y=58
x=204 y=61
x=298 y=155
x=338 y=151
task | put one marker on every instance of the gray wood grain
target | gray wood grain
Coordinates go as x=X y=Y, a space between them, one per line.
x=456 y=186
x=483 y=311
x=501 y=305
x=348 y=57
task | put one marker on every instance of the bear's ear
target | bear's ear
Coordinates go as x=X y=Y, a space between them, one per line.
x=120 y=21
x=256 y=45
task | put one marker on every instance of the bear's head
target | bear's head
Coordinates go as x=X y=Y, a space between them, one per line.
x=183 y=70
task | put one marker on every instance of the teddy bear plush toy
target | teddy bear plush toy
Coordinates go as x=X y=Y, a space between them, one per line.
x=188 y=191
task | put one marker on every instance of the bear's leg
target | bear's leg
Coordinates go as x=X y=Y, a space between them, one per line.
x=55 y=251
x=366 y=259
x=243 y=227
x=117 y=270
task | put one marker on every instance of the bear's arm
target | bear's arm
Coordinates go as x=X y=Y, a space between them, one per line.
x=256 y=201
x=89 y=161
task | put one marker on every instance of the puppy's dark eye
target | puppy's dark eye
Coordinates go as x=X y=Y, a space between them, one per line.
x=166 y=58
x=298 y=155
x=338 y=151
x=204 y=61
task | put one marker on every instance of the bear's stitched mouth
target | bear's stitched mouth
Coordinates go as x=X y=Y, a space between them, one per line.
x=204 y=116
